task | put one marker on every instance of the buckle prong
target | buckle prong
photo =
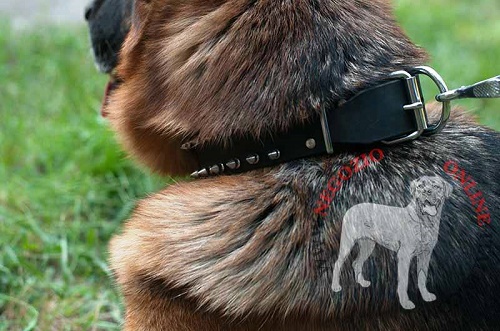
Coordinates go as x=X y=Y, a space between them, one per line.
x=326 y=132
x=413 y=106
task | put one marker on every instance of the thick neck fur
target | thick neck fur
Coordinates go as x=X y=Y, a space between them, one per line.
x=210 y=70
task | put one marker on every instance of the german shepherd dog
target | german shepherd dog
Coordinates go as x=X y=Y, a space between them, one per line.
x=248 y=251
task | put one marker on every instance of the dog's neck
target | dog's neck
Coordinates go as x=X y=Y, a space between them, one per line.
x=220 y=70
x=341 y=67
x=266 y=66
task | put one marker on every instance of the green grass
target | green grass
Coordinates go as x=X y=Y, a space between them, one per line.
x=463 y=41
x=65 y=186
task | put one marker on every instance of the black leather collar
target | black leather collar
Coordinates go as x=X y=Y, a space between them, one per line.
x=392 y=112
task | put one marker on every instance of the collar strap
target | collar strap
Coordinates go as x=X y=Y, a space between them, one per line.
x=390 y=113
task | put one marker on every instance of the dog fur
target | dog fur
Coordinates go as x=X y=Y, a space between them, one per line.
x=247 y=252
x=229 y=68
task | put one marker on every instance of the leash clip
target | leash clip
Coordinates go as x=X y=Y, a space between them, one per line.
x=489 y=88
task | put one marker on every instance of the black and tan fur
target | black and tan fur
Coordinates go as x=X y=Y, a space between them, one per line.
x=247 y=252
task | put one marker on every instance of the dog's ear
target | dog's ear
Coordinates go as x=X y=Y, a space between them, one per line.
x=448 y=188
x=413 y=186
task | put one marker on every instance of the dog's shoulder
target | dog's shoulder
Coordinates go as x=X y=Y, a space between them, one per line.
x=252 y=243
x=240 y=244
x=224 y=239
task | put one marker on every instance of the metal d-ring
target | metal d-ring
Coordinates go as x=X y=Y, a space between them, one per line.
x=445 y=112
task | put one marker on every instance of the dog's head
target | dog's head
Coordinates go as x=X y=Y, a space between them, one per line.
x=430 y=193
x=109 y=23
x=206 y=71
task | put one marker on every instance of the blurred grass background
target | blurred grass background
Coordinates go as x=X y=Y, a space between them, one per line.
x=65 y=186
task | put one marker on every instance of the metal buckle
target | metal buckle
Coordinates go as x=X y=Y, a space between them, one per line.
x=423 y=128
x=416 y=105
x=445 y=111
x=326 y=132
